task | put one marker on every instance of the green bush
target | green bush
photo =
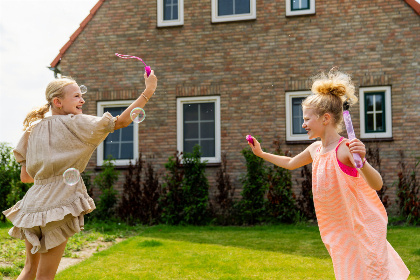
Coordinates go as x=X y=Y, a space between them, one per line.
x=281 y=204
x=172 y=200
x=108 y=198
x=11 y=188
x=185 y=193
x=408 y=191
x=251 y=208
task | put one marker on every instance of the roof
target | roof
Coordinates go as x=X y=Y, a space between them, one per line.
x=77 y=32
x=415 y=4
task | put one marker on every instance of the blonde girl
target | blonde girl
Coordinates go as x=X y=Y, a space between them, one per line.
x=51 y=211
x=351 y=218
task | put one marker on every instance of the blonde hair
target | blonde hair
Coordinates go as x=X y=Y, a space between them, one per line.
x=54 y=89
x=329 y=92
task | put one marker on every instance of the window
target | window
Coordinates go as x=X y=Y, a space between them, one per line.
x=198 y=121
x=170 y=12
x=233 y=10
x=294 y=116
x=300 y=7
x=122 y=144
x=375 y=112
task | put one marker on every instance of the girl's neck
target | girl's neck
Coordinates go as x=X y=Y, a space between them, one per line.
x=328 y=139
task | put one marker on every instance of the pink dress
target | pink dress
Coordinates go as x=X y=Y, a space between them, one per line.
x=353 y=223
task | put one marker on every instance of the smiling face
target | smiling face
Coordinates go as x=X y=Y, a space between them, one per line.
x=71 y=102
x=312 y=123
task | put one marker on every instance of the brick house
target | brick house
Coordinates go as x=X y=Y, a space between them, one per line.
x=231 y=68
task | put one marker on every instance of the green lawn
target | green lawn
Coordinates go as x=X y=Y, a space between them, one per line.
x=262 y=252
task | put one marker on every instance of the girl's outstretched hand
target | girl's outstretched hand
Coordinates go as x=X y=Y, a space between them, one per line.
x=357 y=147
x=256 y=148
x=151 y=81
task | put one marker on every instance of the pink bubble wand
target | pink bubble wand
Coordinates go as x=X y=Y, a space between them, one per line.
x=351 y=135
x=249 y=139
x=126 y=56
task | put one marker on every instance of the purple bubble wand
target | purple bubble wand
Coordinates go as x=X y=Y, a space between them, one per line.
x=126 y=56
x=350 y=133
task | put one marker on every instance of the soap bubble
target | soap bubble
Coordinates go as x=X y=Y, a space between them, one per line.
x=71 y=176
x=138 y=115
x=83 y=89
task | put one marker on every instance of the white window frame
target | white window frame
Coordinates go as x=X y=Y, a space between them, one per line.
x=215 y=18
x=101 y=105
x=289 y=117
x=388 y=112
x=290 y=12
x=163 y=23
x=180 y=128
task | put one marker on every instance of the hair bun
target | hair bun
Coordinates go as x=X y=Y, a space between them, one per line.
x=329 y=87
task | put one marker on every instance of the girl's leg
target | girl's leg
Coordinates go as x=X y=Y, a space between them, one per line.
x=49 y=262
x=31 y=264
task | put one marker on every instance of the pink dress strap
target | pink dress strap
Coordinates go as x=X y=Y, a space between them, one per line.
x=351 y=171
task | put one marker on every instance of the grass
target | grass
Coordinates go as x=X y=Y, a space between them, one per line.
x=261 y=252
x=12 y=250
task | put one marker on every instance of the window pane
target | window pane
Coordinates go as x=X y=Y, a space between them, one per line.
x=369 y=103
x=190 y=130
x=207 y=111
x=300 y=4
x=189 y=145
x=111 y=149
x=113 y=137
x=242 y=7
x=378 y=102
x=190 y=112
x=207 y=130
x=225 y=7
x=120 y=143
x=127 y=133
x=297 y=115
x=379 y=125
x=127 y=151
x=170 y=10
x=175 y=13
x=208 y=148
x=369 y=122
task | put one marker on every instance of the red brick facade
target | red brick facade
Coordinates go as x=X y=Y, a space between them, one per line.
x=250 y=65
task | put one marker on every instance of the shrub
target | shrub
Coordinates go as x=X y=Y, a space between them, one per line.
x=11 y=188
x=172 y=200
x=185 y=193
x=281 y=205
x=223 y=209
x=374 y=159
x=108 y=198
x=140 y=198
x=409 y=191
x=251 y=208
x=196 y=188
x=305 y=201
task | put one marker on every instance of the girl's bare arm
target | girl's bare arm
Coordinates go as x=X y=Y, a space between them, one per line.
x=290 y=163
x=124 y=120
x=371 y=176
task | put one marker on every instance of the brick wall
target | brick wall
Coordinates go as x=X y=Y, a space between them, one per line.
x=251 y=64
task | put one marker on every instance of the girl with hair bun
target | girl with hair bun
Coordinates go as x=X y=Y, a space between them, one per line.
x=351 y=218
x=51 y=211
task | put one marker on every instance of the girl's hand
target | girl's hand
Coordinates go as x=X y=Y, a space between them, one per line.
x=151 y=82
x=357 y=147
x=256 y=148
